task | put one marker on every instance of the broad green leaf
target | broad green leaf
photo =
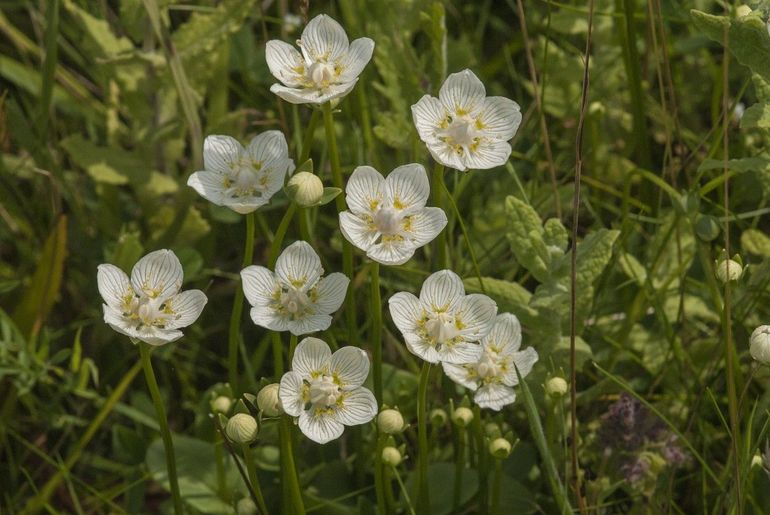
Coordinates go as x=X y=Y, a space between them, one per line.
x=525 y=236
x=510 y=296
x=109 y=165
x=744 y=164
x=756 y=116
x=97 y=32
x=756 y=242
x=204 y=31
x=555 y=234
x=193 y=228
x=632 y=268
x=593 y=255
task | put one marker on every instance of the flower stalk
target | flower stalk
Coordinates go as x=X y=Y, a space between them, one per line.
x=496 y=484
x=459 y=467
x=291 y=488
x=251 y=468
x=423 y=494
x=168 y=444
x=233 y=338
x=437 y=188
x=376 y=330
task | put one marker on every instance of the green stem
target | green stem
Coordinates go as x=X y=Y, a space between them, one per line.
x=277 y=355
x=347 y=248
x=233 y=337
x=280 y=234
x=481 y=463
x=403 y=490
x=496 y=486
x=459 y=467
x=220 y=458
x=291 y=485
x=248 y=457
x=423 y=494
x=376 y=330
x=152 y=385
x=308 y=139
x=438 y=188
x=379 y=477
x=467 y=238
x=292 y=346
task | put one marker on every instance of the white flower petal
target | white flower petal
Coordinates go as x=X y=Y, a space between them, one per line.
x=477 y=314
x=460 y=353
x=310 y=324
x=267 y=148
x=267 y=317
x=285 y=62
x=505 y=334
x=358 y=56
x=313 y=95
x=405 y=310
x=500 y=117
x=420 y=348
x=331 y=292
x=209 y=185
x=244 y=205
x=258 y=285
x=407 y=187
x=114 y=285
x=323 y=40
x=392 y=253
x=357 y=231
x=158 y=274
x=276 y=176
x=187 y=307
x=221 y=154
x=489 y=154
x=445 y=154
x=351 y=366
x=364 y=190
x=319 y=426
x=425 y=225
x=427 y=114
x=524 y=361
x=298 y=266
x=290 y=393
x=462 y=92
x=494 y=396
x=442 y=291
x=358 y=407
x=461 y=375
x=148 y=334
x=311 y=355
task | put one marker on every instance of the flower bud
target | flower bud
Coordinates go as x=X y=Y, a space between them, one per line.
x=760 y=344
x=438 y=417
x=391 y=456
x=242 y=428
x=462 y=416
x=246 y=507
x=742 y=10
x=306 y=188
x=390 y=421
x=500 y=448
x=268 y=400
x=492 y=430
x=556 y=386
x=221 y=404
x=729 y=270
x=756 y=460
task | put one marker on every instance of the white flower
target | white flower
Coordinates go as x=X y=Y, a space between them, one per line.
x=493 y=375
x=149 y=306
x=242 y=179
x=760 y=344
x=295 y=298
x=324 y=389
x=463 y=128
x=328 y=67
x=391 y=210
x=444 y=323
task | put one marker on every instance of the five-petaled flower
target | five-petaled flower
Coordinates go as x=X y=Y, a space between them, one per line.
x=149 y=306
x=295 y=298
x=324 y=389
x=444 y=324
x=493 y=376
x=463 y=128
x=243 y=179
x=391 y=210
x=328 y=67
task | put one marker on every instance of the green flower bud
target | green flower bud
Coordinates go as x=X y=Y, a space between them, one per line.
x=242 y=428
x=246 y=507
x=438 y=417
x=556 y=387
x=728 y=270
x=462 y=416
x=268 y=400
x=221 y=404
x=390 y=421
x=306 y=188
x=760 y=344
x=500 y=448
x=391 y=456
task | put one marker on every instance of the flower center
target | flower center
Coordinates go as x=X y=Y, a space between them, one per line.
x=487 y=368
x=442 y=328
x=295 y=302
x=460 y=133
x=148 y=311
x=324 y=392
x=321 y=74
x=243 y=182
x=387 y=220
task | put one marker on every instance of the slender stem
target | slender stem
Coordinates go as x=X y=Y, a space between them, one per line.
x=423 y=495
x=248 y=457
x=496 y=486
x=233 y=337
x=459 y=467
x=403 y=490
x=280 y=234
x=292 y=346
x=482 y=455
x=376 y=330
x=291 y=485
x=220 y=459
x=438 y=189
x=308 y=139
x=347 y=248
x=152 y=385
x=379 y=476
x=277 y=355
x=467 y=238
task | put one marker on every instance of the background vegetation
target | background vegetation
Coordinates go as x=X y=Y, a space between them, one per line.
x=103 y=109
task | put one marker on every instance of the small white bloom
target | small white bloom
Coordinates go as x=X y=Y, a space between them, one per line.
x=387 y=217
x=324 y=389
x=243 y=179
x=295 y=298
x=444 y=324
x=760 y=344
x=463 y=128
x=493 y=375
x=149 y=307
x=328 y=67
